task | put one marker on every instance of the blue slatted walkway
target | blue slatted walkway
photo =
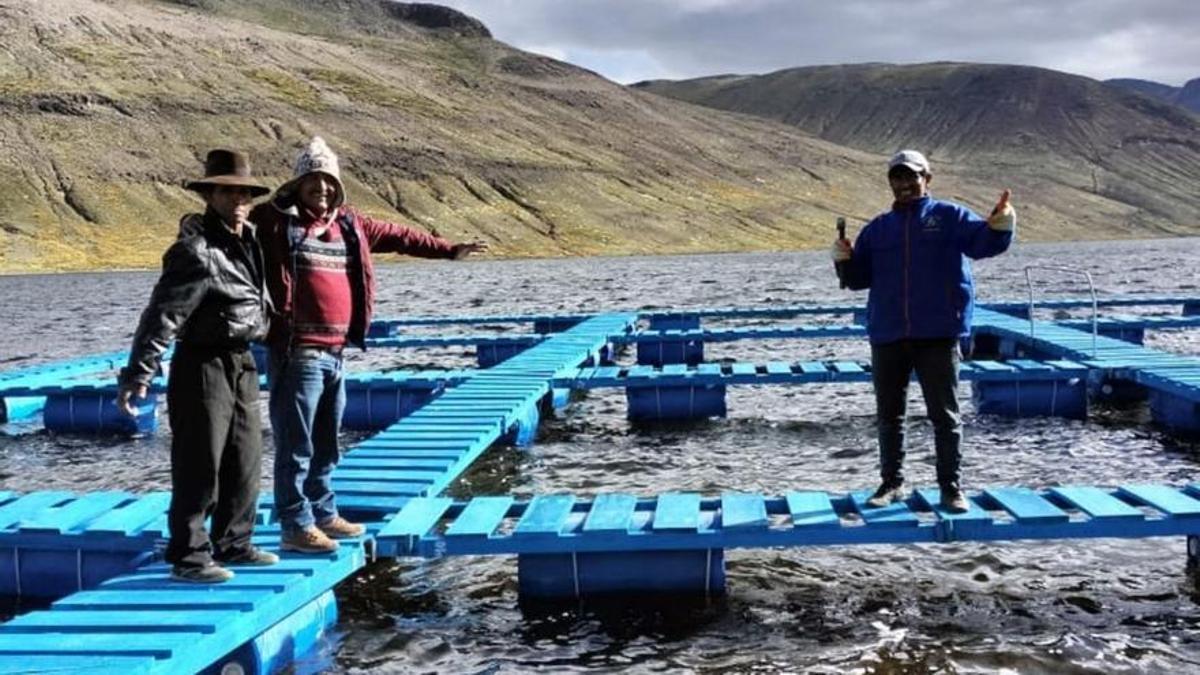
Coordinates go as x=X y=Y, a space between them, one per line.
x=424 y=452
x=426 y=379
x=1075 y=344
x=1134 y=322
x=144 y=622
x=782 y=372
x=1163 y=371
x=562 y=523
x=743 y=333
x=408 y=341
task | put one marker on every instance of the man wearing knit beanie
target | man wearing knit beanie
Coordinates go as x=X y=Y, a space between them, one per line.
x=322 y=282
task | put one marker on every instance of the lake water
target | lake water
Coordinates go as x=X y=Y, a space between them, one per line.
x=1090 y=606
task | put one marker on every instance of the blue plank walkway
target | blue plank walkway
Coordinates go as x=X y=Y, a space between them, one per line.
x=562 y=523
x=783 y=373
x=1156 y=369
x=421 y=454
x=147 y=623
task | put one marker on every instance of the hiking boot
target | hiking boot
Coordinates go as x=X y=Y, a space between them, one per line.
x=953 y=500
x=307 y=540
x=886 y=494
x=211 y=573
x=253 y=556
x=338 y=527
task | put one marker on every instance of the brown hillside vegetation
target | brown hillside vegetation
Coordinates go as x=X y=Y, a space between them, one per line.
x=109 y=104
x=1102 y=159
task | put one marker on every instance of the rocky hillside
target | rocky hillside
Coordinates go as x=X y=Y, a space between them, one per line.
x=1187 y=96
x=1095 y=158
x=109 y=104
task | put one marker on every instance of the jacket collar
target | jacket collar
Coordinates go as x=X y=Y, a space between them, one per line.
x=917 y=205
x=216 y=226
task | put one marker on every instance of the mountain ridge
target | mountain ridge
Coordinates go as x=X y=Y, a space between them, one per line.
x=111 y=104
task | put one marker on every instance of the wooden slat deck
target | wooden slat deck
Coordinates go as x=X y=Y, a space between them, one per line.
x=686 y=521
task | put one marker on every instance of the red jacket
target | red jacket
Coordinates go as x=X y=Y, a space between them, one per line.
x=363 y=235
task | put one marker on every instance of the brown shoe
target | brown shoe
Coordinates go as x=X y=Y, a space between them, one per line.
x=338 y=527
x=308 y=540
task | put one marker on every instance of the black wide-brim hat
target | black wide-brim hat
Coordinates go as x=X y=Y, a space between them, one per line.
x=228 y=167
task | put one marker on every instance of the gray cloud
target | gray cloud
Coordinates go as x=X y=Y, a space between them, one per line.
x=629 y=40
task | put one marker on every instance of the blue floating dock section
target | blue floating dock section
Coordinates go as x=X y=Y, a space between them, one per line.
x=489 y=349
x=126 y=615
x=679 y=392
x=1170 y=378
x=618 y=543
x=422 y=453
x=16 y=408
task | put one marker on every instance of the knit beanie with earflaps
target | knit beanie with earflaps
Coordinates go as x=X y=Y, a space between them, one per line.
x=315 y=157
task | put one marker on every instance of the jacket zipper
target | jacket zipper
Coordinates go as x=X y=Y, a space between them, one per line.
x=907 y=262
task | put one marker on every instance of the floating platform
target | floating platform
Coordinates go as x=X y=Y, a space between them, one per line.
x=123 y=613
x=582 y=539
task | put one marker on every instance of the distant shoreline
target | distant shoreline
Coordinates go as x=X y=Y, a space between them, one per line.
x=386 y=259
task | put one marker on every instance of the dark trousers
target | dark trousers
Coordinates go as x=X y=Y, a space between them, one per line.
x=936 y=364
x=216 y=453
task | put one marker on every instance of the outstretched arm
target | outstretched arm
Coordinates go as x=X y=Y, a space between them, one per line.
x=384 y=237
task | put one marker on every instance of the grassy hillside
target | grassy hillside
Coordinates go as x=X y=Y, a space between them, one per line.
x=110 y=104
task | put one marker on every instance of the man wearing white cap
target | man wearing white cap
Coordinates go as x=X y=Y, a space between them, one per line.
x=915 y=259
x=319 y=273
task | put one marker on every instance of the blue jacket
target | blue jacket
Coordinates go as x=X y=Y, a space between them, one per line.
x=914 y=259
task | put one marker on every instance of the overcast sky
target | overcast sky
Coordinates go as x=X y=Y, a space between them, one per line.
x=631 y=40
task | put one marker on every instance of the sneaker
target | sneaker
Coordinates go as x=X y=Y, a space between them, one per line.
x=953 y=500
x=338 y=527
x=211 y=573
x=253 y=556
x=307 y=540
x=886 y=494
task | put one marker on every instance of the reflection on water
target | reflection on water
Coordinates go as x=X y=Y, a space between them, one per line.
x=1095 y=606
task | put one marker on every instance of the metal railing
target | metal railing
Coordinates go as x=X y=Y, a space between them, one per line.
x=1070 y=270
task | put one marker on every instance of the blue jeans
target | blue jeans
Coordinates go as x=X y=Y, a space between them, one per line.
x=308 y=395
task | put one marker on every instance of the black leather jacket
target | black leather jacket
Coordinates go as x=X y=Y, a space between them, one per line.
x=210 y=295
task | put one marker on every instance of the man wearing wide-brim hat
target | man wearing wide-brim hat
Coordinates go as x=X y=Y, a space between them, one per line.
x=211 y=300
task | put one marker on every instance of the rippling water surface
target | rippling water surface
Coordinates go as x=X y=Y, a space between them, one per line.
x=1091 y=606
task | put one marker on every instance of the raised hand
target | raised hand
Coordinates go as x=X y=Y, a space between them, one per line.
x=1004 y=216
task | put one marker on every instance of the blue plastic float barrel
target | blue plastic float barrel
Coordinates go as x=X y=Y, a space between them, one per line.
x=373 y=408
x=648 y=404
x=661 y=352
x=1177 y=413
x=95 y=411
x=1032 y=398
x=582 y=575
x=283 y=644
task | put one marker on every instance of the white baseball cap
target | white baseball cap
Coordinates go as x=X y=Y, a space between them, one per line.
x=911 y=159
